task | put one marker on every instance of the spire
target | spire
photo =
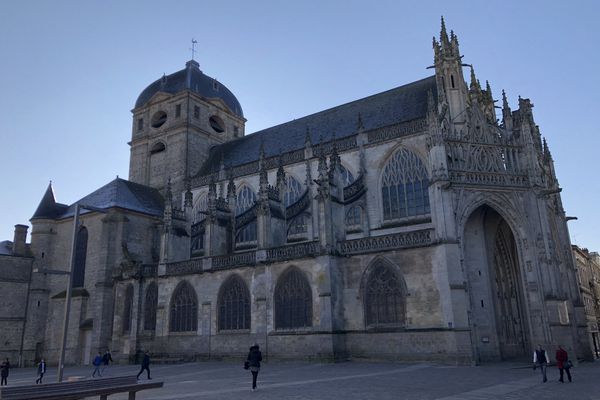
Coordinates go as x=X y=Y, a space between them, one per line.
x=474 y=82
x=47 y=207
x=444 y=34
x=280 y=172
x=506 y=113
x=488 y=90
x=504 y=102
x=307 y=141
x=231 y=190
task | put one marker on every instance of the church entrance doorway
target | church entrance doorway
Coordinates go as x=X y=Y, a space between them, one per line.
x=498 y=317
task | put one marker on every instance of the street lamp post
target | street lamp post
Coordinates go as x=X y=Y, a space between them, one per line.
x=61 y=360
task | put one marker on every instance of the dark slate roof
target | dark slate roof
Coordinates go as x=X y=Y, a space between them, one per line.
x=191 y=78
x=48 y=207
x=123 y=194
x=397 y=105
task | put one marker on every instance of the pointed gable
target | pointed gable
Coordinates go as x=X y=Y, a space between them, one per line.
x=48 y=207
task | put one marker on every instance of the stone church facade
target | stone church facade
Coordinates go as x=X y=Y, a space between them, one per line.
x=411 y=224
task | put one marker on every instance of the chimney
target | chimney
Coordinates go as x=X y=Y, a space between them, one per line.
x=19 y=246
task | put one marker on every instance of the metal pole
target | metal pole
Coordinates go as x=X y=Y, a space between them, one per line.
x=61 y=360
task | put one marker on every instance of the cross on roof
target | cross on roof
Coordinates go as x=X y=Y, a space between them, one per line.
x=193 y=49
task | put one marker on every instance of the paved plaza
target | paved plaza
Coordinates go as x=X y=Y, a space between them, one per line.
x=349 y=381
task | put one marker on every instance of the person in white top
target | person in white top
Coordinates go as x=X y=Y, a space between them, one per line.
x=540 y=359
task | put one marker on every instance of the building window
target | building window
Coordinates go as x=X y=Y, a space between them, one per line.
x=80 y=258
x=354 y=216
x=200 y=208
x=236 y=131
x=384 y=298
x=234 y=305
x=157 y=148
x=178 y=111
x=216 y=124
x=140 y=124
x=127 y=308
x=184 y=309
x=404 y=186
x=244 y=201
x=297 y=225
x=150 y=307
x=196 y=112
x=293 y=191
x=347 y=177
x=293 y=301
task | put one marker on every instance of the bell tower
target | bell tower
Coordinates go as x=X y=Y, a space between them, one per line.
x=176 y=120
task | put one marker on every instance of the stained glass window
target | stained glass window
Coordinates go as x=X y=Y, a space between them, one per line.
x=184 y=309
x=80 y=258
x=150 y=304
x=293 y=301
x=347 y=177
x=200 y=208
x=354 y=216
x=293 y=191
x=384 y=299
x=245 y=200
x=234 y=305
x=404 y=186
x=127 y=308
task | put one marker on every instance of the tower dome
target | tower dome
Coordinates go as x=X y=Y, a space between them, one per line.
x=191 y=78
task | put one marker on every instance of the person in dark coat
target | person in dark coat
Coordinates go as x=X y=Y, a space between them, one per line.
x=145 y=365
x=541 y=359
x=4 y=372
x=254 y=359
x=41 y=371
x=106 y=360
x=562 y=358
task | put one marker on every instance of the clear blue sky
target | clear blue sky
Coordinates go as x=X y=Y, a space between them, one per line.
x=70 y=72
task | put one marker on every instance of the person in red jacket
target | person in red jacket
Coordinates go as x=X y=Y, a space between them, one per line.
x=563 y=363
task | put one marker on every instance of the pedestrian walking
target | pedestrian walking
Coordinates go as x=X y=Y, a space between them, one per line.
x=540 y=359
x=41 y=371
x=563 y=363
x=106 y=360
x=254 y=359
x=97 y=363
x=4 y=367
x=145 y=365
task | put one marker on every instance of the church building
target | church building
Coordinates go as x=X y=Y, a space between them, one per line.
x=412 y=224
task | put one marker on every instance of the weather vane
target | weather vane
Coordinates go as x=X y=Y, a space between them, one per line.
x=193 y=49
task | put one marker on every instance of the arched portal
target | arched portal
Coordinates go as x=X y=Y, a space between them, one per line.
x=498 y=318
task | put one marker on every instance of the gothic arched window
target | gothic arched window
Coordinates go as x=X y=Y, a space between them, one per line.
x=298 y=225
x=384 y=297
x=347 y=177
x=293 y=301
x=200 y=208
x=150 y=304
x=245 y=200
x=127 y=308
x=80 y=256
x=234 y=305
x=404 y=186
x=354 y=216
x=184 y=309
x=293 y=191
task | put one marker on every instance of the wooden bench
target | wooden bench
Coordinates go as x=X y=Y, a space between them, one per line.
x=76 y=390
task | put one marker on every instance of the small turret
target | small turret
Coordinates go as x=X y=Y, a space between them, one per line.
x=507 y=119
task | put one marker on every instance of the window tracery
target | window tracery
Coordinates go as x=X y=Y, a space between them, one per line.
x=184 y=309
x=384 y=298
x=245 y=200
x=293 y=191
x=293 y=301
x=127 y=308
x=234 y=305
x=404 y=186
